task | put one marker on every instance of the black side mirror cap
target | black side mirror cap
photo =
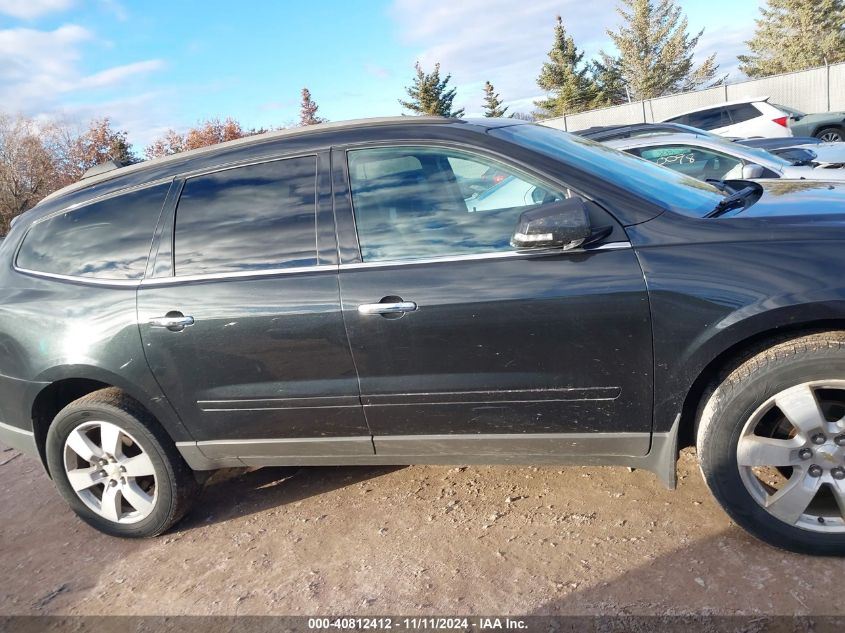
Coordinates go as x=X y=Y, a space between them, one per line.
x=564 y=224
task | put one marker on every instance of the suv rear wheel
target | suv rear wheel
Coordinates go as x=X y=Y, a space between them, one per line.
x=830 y=135
x=116 y=468
x=771 y=443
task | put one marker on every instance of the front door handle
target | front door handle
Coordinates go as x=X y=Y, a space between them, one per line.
x=397 y=307
x=173 y=321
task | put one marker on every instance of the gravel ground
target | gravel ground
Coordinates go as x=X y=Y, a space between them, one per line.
x=409 y=540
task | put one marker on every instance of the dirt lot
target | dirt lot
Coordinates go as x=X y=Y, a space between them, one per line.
x=417 y=540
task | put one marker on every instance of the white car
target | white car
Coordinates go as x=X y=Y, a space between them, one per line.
x=711 y=158
x=740 y=119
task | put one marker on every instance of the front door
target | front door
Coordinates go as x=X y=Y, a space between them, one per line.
x=465 y=346
x=241 y=322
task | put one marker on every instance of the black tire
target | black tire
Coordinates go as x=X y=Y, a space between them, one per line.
x=739 y=395
x=835 y=134
x=175 y=484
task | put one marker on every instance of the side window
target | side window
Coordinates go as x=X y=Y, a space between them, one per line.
x=413 y=202
x=709 y=119
x=742 y=112
x=109 y=239
x=698 y=162
x=256 y=217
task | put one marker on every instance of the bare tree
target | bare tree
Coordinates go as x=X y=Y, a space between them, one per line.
x=208 y=132
x=77 y=151
x=27 y=167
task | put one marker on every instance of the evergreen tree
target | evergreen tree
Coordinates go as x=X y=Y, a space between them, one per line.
x=564 y=78
x=429 y=94
x=492 y=105
x=656 y=51
x=796 y=35
x=610 y=87
x=308 y=110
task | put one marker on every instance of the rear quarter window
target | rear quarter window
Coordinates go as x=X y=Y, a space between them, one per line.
x=109 y=239
x=742 y=112
x=709 y=119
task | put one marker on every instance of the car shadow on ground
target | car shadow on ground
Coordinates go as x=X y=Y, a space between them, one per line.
x=729 y=581
x=234 y=493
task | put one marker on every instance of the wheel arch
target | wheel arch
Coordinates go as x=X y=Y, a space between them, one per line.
x=60 y=386
x=825 y=126
x=731 y=357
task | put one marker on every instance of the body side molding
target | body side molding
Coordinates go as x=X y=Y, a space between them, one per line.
x=599 y=449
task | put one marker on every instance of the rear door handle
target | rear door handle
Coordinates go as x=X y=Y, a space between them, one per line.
x=398 y=307
x=175 y=322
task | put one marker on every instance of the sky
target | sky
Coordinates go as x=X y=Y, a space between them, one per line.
x=156 y=64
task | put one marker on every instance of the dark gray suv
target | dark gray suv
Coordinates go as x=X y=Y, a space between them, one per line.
x=431 y=291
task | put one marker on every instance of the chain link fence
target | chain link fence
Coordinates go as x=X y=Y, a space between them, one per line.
x=815 y=90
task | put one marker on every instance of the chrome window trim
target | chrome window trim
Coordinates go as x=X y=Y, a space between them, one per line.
x=269 y=272
x=323 y=268
x=93 y=281
x=610 y=246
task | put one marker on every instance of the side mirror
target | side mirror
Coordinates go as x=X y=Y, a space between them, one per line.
x=752 y=171
x=565 y=224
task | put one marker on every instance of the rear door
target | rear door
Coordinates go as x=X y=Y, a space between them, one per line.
x=465 y=346
x=745 y=121
x=241 y=320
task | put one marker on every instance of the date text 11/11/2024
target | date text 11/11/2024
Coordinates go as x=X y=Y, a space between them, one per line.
x=419 y=623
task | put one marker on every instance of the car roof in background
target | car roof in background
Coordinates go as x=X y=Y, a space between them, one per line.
x=610 y=132
x=719 y=105
x=779 y=142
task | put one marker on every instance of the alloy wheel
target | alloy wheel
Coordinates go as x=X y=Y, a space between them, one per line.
x=110 y=472
x=791 y=456
x=831 y=137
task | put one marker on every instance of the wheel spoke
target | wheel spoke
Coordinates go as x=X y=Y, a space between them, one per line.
x=110 y=439
x=82 y=446
x=754 y=450
x=791 y=501
x=838 y=489
x=82 y=478
x=137 y=498
x=110 y=505
x=801 y=408
x=139 y=466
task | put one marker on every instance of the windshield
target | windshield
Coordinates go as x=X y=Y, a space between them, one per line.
x=752 y=154
x=662 y=187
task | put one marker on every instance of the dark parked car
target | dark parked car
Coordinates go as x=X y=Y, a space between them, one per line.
x=333 y=295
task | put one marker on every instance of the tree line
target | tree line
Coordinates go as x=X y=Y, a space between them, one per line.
x=654 y=57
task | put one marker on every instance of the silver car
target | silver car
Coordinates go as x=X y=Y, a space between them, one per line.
x=710 y=158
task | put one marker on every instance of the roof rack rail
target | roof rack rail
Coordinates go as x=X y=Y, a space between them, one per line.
x=102 y=168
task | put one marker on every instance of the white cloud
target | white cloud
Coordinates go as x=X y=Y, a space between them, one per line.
x=44 y=75
x=117 y=74
x=31 y=9
x=43 y=67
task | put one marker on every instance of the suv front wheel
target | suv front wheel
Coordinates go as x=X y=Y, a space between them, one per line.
x=771 y=444
x=116 y=467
